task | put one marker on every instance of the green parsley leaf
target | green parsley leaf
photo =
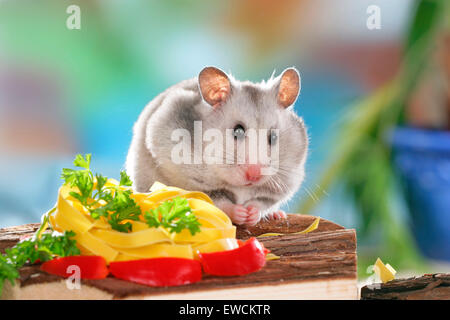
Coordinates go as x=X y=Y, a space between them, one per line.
x=101 y=181
x=7 y=272
x=44 y=248
x=82 y=162
x=174 y=215
x=83 y=179
x=125 y=179
x=118 y=206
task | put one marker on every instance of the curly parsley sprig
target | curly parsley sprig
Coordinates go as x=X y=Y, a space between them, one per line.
x=116 y=204
x=102 y=200
x=42 y=247
x=175 y=215
x=110 y=202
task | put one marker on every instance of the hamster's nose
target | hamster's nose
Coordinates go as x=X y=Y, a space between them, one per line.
x=253 y=172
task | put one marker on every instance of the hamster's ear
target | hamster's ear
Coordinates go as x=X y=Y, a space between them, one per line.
x=289 y=87
x=214 y=86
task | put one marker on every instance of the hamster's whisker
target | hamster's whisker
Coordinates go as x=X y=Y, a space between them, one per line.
x=322 y=189
x=311 y=194
x=278 y=183
x=289 y=172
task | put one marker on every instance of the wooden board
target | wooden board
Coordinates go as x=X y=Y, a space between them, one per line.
x=427 y=287
x=318 y=265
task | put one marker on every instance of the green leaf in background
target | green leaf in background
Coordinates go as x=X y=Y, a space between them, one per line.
x=362 y=161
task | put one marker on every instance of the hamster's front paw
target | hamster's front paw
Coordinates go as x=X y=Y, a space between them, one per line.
x=244 y=215
x=254 y=216
x=277 y=215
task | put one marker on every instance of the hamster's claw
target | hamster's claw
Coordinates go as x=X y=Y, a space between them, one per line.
x=241 y=215
x=253 y=216
x=277 y=215
x=238 y=214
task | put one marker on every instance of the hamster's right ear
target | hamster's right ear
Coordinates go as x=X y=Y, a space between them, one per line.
x=289 y=87
x=214 y=86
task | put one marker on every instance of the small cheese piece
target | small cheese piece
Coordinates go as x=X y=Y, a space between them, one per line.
x=385 y=272
x=157 y=186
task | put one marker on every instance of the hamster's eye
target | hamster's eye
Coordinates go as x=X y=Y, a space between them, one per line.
x=239 y=132
x=273 y=137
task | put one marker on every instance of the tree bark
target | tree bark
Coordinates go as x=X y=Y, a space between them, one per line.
x=427 y=287
x=328 y=253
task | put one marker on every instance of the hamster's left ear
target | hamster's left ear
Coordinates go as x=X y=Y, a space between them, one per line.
x=289 y=87
x=214 y=86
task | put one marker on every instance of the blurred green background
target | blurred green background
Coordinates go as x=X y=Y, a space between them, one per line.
x=65 y=91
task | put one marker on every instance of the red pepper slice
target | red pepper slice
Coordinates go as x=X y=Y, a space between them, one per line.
x=91 y=267
x=158 y=272
x=248 y=258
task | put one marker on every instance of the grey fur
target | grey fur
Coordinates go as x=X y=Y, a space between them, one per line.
x=254 y=105
x=222 y=194
x=254 y=93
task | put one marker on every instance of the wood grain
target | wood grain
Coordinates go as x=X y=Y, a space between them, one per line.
x=328 y=253
x=427 y=287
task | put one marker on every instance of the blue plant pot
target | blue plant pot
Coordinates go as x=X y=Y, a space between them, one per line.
x=422 y=158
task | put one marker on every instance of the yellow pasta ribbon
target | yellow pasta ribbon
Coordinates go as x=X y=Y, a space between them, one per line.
x=271 y=256
x=217 y=245
x=96 y=246
x=313 y=226
x=205 y=235
x=159 y=250
x=132 y=239
x=96 y=237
